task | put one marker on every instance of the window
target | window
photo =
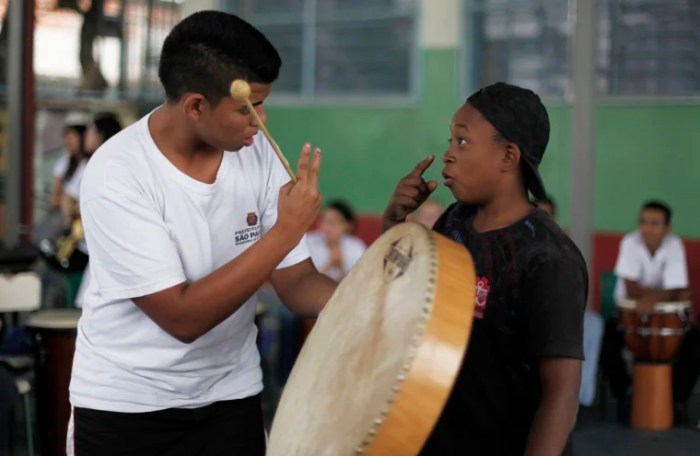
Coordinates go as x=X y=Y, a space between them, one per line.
x=524 y=42
x=339 y=47
x=650 y=46
x=645 y=47
x=103 y=48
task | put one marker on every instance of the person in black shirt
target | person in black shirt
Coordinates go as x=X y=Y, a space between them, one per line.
x=517 y=389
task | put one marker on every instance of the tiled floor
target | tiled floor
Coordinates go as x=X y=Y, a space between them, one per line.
x=596 y=436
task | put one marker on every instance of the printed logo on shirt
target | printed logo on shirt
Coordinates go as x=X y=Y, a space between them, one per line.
x=252 y=218
x=250 y=234
x=481 y=298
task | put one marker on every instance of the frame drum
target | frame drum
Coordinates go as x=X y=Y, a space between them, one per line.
x=377 y=368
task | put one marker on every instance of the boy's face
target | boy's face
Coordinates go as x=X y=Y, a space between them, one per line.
x=229 y=125
x=653 y=227
x=473 y=160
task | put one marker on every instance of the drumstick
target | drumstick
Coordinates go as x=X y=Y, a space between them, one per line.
x=240 y=91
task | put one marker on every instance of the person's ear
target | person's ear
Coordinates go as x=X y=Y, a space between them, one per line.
x=195 y=106
x=511 y=157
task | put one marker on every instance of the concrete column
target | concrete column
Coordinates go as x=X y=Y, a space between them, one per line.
x=583 y=126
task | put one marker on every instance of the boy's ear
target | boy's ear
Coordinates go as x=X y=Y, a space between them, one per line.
x=195 y=106
x=511 y=157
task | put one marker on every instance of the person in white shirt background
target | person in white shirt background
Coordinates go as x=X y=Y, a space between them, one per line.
x=187 y=213
x=593 y=326
x=103 y=126
x=65 y=167
x=52 y=225
x=651 y=268
x=334 y=250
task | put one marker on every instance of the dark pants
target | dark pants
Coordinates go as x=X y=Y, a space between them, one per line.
x=230 y=428
x=686 y=367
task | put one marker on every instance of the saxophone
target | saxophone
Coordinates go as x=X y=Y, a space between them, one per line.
x=66 y=244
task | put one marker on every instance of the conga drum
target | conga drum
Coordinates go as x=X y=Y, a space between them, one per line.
x=654 y=339
x=381 y=360
x=54 y=343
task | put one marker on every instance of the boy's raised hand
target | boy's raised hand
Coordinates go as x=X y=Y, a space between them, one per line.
x=410 y=193
x=300 y=202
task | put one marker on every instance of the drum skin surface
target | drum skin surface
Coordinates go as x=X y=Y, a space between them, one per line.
x=381 y=360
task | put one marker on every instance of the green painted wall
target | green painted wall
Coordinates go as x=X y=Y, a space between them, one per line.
x=642 y=150
x=368 y=148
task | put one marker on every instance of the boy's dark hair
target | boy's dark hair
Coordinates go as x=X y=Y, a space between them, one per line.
x=344 y=209
x=73 y=160
x=107 y=125
x=208 y=50
x=658 y=205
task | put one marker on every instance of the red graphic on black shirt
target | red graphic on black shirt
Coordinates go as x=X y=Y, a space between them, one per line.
x=252 y=218
x=481 y=298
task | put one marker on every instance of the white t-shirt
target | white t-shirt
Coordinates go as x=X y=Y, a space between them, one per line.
x=150 y=227
x=666 y=270
x=61 y=166
x=351 y=247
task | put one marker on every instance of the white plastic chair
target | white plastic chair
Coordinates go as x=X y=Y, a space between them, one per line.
x=21 y=293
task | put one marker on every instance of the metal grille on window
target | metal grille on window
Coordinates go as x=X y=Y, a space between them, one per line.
x=339 y=47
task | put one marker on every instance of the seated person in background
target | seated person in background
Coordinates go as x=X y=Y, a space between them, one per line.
x=651 y=268
x=427 y=214
x=592 y=330
x=334 y=250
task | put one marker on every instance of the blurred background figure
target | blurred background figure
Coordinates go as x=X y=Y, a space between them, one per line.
x=593 y=329
x=64 y=173
x=103 y=126
x=65 y=167
x=334 y=249
x=427 y=214
x=651 y=269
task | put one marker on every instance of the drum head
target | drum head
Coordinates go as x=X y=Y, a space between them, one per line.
x=627 y=304
x=55 y=319
x=382 y=357
x=671 y=307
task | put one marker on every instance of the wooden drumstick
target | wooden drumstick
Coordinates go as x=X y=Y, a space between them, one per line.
x=240 y=91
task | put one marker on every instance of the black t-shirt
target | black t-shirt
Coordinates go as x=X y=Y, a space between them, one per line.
x=531 y=293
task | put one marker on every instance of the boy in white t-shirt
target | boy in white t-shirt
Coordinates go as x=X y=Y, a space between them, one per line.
x=187 y=213
x=651 y=268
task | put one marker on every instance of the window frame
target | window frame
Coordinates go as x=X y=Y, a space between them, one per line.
x=308 y=96
x=470 y=60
